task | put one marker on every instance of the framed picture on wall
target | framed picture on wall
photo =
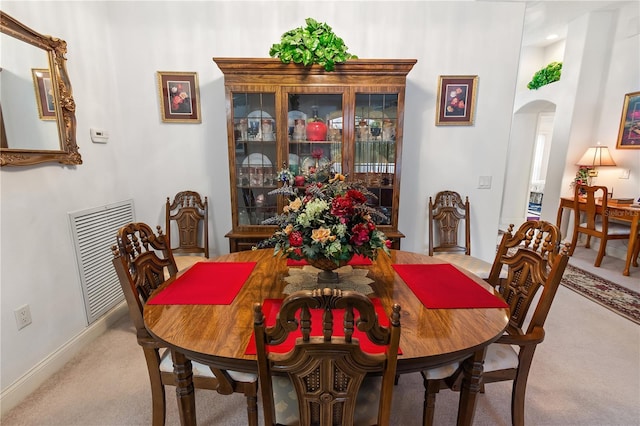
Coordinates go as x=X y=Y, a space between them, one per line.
x=456 y=100
x=629 y=133
x=44 y=93
x=179 y=97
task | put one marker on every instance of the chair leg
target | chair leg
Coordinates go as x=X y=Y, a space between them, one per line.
x=636 y=252
x=252 y=409
x=431 y=389
x=517 y=401
x=159 y=409
x=574 y=242
x=601 y=252
x=588 y=244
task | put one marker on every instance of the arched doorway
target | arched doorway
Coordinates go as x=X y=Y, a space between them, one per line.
x=529 y=146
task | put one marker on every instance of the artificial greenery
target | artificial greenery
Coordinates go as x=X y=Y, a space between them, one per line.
x=314 y=44
x=546 y=75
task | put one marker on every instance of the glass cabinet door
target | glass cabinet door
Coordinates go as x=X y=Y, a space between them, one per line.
x=376 y=117
x=315 y=136
x=254 y=121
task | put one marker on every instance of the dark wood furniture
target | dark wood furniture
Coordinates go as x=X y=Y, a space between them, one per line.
x=142 y=259
x=270 y=108
x=446 y=212
x=189 y=213
x=535 y=262
x=326 y=372
x=593 y=221
x=218 y=334
x=445 y=215
x=619 y=212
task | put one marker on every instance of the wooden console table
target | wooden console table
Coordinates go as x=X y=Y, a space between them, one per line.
x=616 y=211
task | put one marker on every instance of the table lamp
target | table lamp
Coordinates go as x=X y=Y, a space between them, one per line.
x=596 y=156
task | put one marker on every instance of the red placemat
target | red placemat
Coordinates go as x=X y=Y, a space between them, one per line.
x=271 y=307
x=206 y=283
x=443 y=286
x=357 y=259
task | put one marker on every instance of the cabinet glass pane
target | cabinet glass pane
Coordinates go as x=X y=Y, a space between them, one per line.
x=315 y=134
x=375 y=148
x=255 y=125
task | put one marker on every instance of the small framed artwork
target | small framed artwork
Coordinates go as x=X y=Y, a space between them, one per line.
x=179 y=97
x=456 y=100
x=629 y=133
x=44 y=93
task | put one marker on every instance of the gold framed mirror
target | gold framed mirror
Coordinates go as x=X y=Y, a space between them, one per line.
x=37 y=110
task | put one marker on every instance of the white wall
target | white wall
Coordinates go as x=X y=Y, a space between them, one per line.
x=115 y=50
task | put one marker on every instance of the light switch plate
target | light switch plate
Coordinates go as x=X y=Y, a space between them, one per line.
x=484 y=182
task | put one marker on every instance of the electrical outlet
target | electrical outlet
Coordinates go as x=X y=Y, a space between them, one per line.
x=23 y=316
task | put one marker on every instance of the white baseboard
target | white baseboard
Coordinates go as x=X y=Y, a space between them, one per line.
x=30 y=381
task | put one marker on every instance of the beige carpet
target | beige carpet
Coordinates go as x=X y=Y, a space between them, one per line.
x=587 y=372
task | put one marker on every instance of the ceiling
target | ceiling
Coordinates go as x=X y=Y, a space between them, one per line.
x=552 y=17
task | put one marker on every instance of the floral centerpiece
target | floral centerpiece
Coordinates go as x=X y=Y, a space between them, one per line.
x=582 y=177
x=327 y=224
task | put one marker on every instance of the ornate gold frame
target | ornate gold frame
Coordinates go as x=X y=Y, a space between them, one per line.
x=63 y=99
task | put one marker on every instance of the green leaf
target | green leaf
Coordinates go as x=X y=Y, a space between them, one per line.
x=546 y=75
x=314 y=44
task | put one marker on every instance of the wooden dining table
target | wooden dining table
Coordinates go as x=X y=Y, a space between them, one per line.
x=622 y=212
x=218 y=335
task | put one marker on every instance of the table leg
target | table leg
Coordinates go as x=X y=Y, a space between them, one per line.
x=559 y=216
x=184 y=389
x=633 y=235
x=470 y=387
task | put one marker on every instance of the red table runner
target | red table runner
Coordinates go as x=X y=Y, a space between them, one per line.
x=271 y=307
x=357 y=259
x=206 y=283
x=443 y=286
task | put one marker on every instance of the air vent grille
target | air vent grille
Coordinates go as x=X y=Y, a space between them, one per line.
x=94 y=232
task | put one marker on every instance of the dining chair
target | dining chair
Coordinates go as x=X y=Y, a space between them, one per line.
x=446 y=213
x=535 y=261
x=589 y=221
x=141 y=259
x=188 y=214
x=326 y=379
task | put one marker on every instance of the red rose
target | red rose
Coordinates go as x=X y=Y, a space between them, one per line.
x=388 y=243
x=295 y=239
x=360 y=234
x=341 y=206
x=356 y=196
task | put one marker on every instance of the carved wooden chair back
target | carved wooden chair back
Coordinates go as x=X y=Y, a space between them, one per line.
x=445 y=214
x=327 y=371
x=191 y=216
x=535 y=262
x=594 y=223
x=142 y=260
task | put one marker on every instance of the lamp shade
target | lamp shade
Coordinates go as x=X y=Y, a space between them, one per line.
x=596 y=156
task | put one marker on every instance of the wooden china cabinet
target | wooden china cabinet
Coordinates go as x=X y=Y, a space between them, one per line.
x=272 y=110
